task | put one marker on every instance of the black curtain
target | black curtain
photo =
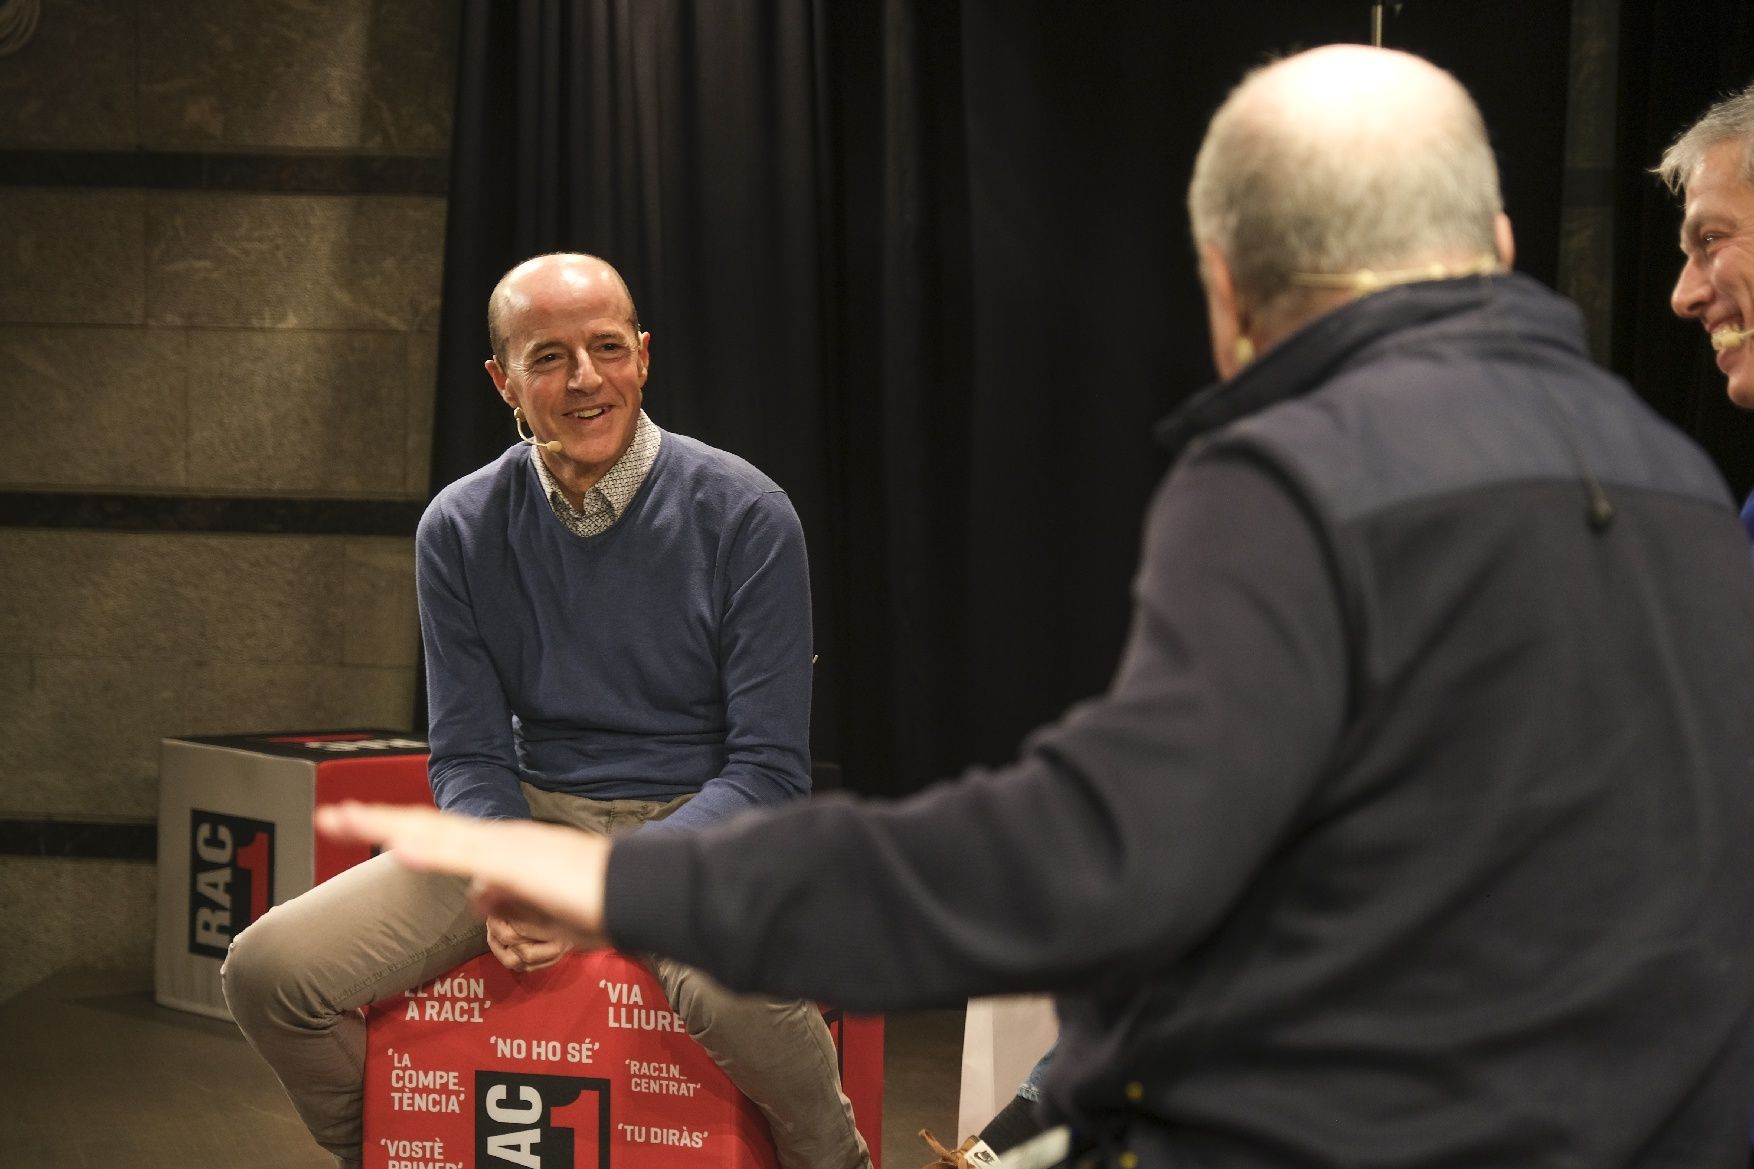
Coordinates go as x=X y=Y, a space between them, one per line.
x=924 y=262
x=780 y=182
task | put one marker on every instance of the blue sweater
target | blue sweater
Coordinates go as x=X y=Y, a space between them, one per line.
x=668 y=655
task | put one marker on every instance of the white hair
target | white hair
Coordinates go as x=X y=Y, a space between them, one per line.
x=1731 y=119
x=1342 y=172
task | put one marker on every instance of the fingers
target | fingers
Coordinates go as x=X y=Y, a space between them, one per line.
x=490 y=901
x=500 y=932
x=515 y=928
x=536 y=955
x=543 y=879
x=508 y=957
x=524 y=946
x=424 y=838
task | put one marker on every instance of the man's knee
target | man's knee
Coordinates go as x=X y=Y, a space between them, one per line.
x=261 y=970
x=700 y=1001
x=744 y=1024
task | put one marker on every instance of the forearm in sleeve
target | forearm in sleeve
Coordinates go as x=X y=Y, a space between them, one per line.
x=1111 y=846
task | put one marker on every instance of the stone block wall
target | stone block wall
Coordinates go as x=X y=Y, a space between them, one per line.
x=219 y=284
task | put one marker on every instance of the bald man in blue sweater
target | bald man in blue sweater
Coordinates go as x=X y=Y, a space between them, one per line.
x=617 y=631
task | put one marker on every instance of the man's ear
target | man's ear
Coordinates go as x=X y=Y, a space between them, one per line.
x=500 y=382
x=1225 y=318
x=1504 y=241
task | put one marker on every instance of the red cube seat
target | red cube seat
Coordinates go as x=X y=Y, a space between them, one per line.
x=581 y=1064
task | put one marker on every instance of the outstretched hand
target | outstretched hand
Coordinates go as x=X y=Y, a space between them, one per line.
x=543 y=876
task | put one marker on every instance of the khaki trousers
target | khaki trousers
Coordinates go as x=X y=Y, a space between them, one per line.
x=295 y=979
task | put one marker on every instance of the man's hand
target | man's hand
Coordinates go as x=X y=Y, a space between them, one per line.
x=521 y=946
x=540 y=884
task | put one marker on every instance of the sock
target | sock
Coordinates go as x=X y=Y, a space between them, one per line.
x=1014 y=1124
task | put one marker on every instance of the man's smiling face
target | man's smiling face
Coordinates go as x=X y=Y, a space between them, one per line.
x=1716 y=286
x=574 y=362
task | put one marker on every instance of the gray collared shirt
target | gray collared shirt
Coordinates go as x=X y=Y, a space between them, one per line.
x=610 y=495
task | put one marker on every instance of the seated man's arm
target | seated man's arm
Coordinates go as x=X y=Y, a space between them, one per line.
x=473 y=763
x=764 y=655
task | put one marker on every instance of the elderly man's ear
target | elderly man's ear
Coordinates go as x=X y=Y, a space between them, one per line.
x=1232 y=347
x=1228 y=319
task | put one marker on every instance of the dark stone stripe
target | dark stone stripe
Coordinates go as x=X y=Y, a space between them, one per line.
x=317 y=174
x=114 y=840
x=206 y=513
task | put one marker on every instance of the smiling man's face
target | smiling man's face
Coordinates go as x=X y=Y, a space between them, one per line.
x=1716 y=286
x=574 y=362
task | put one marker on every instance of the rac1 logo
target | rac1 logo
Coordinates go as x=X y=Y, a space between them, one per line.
x=231 y=878
x=541 y=1122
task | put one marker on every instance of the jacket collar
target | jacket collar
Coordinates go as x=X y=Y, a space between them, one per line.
x=1309 y=357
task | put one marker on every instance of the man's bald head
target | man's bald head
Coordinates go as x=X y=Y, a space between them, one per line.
x=1340 y=159
x=575 y=268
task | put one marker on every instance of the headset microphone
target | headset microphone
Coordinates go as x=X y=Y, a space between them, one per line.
x=551 y=446
x=1730 y=337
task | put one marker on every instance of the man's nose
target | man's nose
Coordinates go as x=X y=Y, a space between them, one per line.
x=584 y=372
x=1692 y=290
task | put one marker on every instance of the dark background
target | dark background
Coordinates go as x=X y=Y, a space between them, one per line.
x=925 y=262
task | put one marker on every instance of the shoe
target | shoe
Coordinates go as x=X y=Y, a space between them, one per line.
x=971 y=1154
